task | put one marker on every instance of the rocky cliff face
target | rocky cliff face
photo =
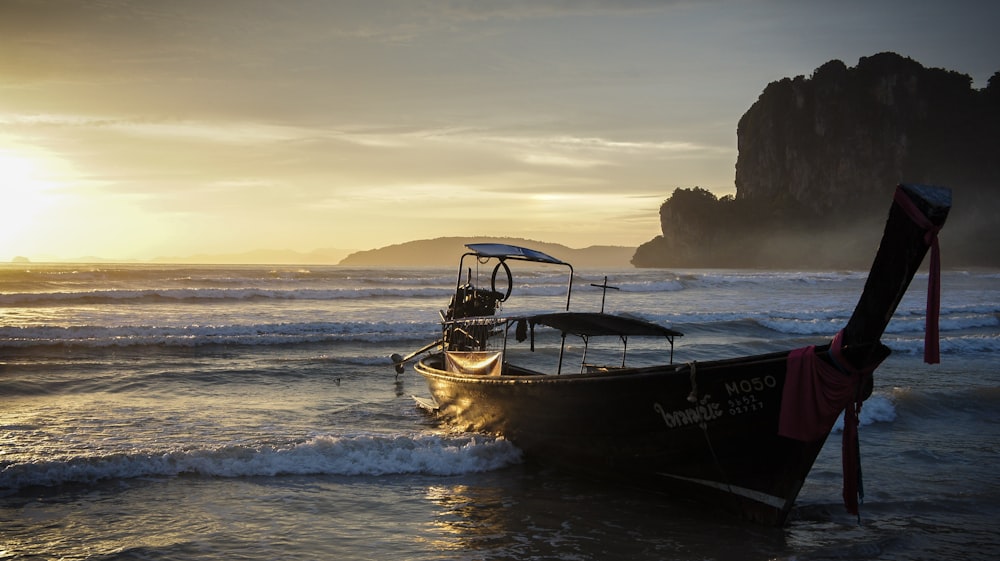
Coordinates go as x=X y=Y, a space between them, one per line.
x=821 y=155
x=848 y=135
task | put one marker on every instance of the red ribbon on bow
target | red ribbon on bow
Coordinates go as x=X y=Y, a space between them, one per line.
x=932 y=352
x=815 y=393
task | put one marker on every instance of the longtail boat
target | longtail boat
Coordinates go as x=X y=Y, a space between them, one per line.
x=740 y=433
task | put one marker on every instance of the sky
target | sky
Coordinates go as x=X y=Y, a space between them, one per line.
x=149 y=128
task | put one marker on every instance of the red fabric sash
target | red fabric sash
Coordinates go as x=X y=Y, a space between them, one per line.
x=932 y=352
x=815 y=393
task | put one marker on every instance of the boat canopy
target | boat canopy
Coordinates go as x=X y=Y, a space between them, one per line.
x=588 y=324
x=505 y=251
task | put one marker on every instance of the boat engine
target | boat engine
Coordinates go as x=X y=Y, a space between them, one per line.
x=470 y=301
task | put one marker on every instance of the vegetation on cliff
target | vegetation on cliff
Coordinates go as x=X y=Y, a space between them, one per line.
x=819 y=158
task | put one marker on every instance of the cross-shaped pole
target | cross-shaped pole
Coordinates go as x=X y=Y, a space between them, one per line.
x=605 y=288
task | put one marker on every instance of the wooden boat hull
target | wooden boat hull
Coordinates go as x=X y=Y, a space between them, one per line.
x=708 y=430
x=639 y=426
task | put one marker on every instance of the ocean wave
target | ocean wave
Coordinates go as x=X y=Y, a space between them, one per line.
x=949 y=345
x=979 y=402
x=202 y=295
x=793 y=326
x=320 y=455
x=902 y=335
x=208 y=294
x=875 y=409
x=731 y=278
x=198 y=335
x=139 y=272
x=396 y=286
x=822 y=322
x=646 y=282
x=650 y=286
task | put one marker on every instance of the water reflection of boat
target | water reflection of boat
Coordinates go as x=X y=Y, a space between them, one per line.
x=741 y=432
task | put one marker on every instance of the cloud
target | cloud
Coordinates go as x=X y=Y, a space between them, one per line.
x=243 y=111
x=197 y=167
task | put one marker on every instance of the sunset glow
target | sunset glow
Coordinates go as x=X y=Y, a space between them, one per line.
x=27 y=197
x=145 y=130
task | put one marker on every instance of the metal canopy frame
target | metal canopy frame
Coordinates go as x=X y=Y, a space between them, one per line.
x=483 y=252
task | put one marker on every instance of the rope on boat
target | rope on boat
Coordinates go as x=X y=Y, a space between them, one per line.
x=693 y=396
x=703 y=424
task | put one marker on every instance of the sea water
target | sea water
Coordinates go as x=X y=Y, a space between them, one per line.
x=221 y=412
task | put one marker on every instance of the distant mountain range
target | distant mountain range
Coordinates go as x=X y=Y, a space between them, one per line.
x=446 y=251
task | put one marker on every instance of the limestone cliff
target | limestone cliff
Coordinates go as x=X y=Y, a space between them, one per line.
x=860 y=131
x=821 y=155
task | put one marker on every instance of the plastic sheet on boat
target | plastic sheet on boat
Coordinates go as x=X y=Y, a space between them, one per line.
x=484 y=363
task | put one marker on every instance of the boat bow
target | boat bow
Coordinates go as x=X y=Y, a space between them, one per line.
x=707 y=430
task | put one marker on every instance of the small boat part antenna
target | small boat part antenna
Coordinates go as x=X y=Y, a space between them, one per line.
x=605 y=288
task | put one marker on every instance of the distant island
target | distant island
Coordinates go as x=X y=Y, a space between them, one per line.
x=819 y=158
x=446 y=251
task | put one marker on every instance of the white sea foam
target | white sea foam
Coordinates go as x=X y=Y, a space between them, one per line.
x=829 y=321
x=729 y=278
x=203 y=294
x=965 y=344
x=876 y=409
x=814 y=326
x=320 y=455
x=670 y=285
x=197 y=335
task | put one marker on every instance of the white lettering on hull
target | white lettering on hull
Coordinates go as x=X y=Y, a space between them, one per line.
x=750 y=385
x=705 y=411
x=745 y=396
